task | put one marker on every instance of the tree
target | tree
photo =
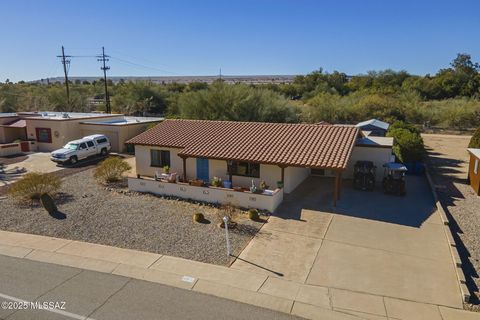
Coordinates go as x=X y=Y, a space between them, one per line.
x=235 y=102
x=139 y=98
x=463 y=63
x=475 y=140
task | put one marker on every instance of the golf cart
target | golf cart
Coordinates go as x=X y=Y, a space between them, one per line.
x=394 y=178
x=364 y=175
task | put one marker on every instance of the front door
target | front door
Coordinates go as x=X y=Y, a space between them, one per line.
x=202 y=169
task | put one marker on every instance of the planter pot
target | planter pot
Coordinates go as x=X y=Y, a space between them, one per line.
x=227 y=184
x=196 y=183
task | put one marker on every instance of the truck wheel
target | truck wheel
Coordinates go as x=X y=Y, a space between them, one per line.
x=104 y=152
x=73 y=160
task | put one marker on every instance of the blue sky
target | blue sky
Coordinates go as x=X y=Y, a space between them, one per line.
x=241 y=37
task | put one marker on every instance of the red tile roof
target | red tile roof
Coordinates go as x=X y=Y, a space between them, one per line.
x=302 y=145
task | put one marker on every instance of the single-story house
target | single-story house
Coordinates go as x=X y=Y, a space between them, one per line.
x=474 y=169
x=48 y=131
x=241 y=153
x=373 y=127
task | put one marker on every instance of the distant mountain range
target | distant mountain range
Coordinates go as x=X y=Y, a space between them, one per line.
x=258 y=79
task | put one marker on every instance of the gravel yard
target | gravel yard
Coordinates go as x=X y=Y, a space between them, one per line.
x=448 y=161
x=134 y=221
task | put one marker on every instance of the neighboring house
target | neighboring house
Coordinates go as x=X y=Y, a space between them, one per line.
x=374 y=127
x=474 y=170
x=52 y=130
x=240 y=152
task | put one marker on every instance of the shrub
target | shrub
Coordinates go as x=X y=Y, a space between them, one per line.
x=111 y=170
x=475 y=141
x=253 y=214
x=198 y=217
x=227 y=210
x=34 y=184
x=408 y=144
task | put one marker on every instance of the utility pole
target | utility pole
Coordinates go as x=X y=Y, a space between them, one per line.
x=104 y=58
x=66 y=68
x=220 y=74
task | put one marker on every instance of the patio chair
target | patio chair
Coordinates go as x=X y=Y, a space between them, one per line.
x=172 y=178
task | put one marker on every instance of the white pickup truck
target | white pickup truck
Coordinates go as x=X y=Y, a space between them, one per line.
x=80 y=149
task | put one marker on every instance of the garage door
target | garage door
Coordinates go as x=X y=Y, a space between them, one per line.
x=112 y=136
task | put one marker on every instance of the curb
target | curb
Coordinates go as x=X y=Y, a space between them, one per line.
x=457 y=262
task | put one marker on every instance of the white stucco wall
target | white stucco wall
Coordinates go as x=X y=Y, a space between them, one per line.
x=293 y=177
x=377 y=155
x=218 y=168
x=67 y=130
x=211 y=195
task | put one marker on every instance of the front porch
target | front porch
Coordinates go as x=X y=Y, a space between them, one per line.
x=267 y=200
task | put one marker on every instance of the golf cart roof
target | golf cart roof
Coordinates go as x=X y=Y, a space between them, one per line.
x=395 y=166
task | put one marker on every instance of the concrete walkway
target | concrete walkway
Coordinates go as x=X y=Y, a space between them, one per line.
x=251 y=287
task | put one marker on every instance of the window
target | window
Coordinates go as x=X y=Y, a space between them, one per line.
x=101 y=140
x=44 y=135
x=475 y=167
x=159 y=158
x=90 y=144
x=83 y=146
x=246 y=169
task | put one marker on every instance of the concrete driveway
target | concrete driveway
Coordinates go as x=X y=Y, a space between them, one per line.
x=372 y=243
x=35 y=162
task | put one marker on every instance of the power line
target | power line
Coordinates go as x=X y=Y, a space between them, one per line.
x=143 y=66
x=104 y=58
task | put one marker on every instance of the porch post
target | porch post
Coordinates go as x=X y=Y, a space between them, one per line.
x=336 y=195
x=230 y=176
x=283 y=175
x=339 y=184
x=184 y=169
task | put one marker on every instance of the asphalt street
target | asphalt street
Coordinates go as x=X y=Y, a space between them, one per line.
x=81 y=294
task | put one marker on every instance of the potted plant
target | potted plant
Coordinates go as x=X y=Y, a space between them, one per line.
x=166 y=169
x=263 y=185
x=279 y=184
x=216 y=182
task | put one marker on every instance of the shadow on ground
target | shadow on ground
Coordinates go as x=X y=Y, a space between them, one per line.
x=316 y=193
x=446 y=173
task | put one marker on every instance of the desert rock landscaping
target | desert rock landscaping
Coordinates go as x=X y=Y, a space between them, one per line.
x=116 y=217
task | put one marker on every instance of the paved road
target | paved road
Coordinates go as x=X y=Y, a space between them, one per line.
x=103 y=296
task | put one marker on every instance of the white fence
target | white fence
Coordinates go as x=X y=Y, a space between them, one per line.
x=210 y=194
